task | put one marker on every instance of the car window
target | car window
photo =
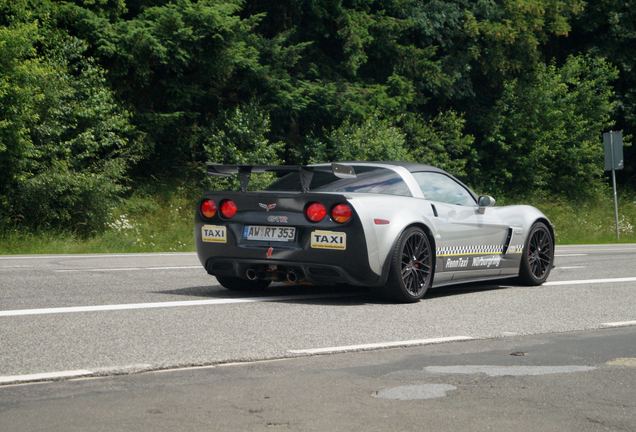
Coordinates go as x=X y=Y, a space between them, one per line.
x=367 y=180
x=439 y=187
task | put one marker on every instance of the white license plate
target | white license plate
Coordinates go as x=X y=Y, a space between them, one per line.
x=269 y=233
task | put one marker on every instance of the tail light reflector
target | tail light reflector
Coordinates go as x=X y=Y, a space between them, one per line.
x=228 y=209
x=315 y=212
x=341 y=213
x=208 y=208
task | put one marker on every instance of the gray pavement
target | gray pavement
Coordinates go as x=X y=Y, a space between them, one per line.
x=582 y=381
x=111 y=315
x=224 y=330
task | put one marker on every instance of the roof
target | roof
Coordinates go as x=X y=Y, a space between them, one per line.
x=411 y=166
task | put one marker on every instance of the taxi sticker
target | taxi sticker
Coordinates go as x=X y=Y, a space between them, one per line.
x=213 y=234
x=328 y=240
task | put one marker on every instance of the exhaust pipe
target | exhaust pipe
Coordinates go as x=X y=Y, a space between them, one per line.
x=250 y=274
x=292 y=276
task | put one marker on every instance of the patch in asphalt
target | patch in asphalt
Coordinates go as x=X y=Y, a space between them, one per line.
x=415 y=392
x=492 y=370
x=623 y=361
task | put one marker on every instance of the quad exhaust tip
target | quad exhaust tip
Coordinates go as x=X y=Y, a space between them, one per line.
x=250 y=274
x=292 y=276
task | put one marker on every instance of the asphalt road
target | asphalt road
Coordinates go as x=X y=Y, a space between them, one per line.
x=64 y=317
x=583 y=381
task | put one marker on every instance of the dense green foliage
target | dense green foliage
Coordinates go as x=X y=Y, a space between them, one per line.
x=97 y=96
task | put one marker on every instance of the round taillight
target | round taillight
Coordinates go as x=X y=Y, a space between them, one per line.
x=315 y=212
x=228 y=209
x=341 y=213
x=208 y=208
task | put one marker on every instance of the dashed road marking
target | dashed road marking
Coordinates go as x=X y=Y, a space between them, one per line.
x=590 y=281
x=122 y=269
x=570 y=267
x=172 y=304
x=128 y=255
x=46 y=376
x=379 y=345
x=619 y=324
x=570 y=255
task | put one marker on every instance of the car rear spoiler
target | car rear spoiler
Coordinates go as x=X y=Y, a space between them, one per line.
x=306 y=172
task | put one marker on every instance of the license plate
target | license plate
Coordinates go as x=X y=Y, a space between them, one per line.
x=269 y=233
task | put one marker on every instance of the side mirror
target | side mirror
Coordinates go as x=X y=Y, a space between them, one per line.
x=485 y=201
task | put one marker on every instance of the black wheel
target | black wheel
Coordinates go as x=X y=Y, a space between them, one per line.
x=411 y=269
x=238 y=284
x=538 y=256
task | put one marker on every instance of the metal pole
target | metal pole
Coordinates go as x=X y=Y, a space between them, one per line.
x=614 y=185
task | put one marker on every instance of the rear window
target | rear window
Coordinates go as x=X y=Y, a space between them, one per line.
x=367 y=180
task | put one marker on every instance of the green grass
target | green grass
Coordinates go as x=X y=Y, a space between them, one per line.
x=160 y=220
x=591 y=221
x=156 y=221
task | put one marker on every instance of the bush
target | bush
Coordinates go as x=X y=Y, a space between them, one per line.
x=372 y=139
x=545 y=132
x=65 y=200
x=65 y=144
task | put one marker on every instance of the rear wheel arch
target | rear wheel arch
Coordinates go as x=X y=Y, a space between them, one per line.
x=431 y=239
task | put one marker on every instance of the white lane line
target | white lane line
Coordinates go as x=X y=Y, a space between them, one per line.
x=591 y=281
x=127 y=255
x=172 y=304
x=619 y=324
x=46 y=376
x=570 y=255
x=592 y=250
x=380 y=345
x=570 y=267
x=115 y=269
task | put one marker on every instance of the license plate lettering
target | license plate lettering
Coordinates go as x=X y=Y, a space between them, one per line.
x=269 y=233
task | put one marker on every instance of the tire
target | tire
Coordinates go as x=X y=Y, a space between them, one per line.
x=239 y=284
x=538 y=256
x=411 y=267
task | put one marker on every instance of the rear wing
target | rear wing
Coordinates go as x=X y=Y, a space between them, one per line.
x=306 y=172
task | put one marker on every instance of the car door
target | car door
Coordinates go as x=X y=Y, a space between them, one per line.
x=469 y=239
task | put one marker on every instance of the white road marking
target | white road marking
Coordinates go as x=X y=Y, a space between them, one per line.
x=127 y=255
x=224 y=301
x=116 y=269
x=570 y=255
x=592 y=250
x=619 y=324
x=380 y=345
x=186 y=303
x=590 y=281
x=570 y=267
x=46 y=376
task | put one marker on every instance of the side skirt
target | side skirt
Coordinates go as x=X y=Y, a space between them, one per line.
x=467 y=281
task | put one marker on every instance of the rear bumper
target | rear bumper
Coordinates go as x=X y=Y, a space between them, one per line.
x=314 y=273
x=275 y=260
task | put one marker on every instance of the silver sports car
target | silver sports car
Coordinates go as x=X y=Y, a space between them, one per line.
x=399 y=227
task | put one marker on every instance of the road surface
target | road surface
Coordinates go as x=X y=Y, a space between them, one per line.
x=64 y=317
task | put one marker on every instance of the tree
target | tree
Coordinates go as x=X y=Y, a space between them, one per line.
x=544 y=133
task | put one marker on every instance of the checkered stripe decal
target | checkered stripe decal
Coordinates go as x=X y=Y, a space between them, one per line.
x=476 y=250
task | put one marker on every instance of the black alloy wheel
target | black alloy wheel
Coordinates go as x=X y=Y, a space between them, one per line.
x=538 y=256
x=411 y=271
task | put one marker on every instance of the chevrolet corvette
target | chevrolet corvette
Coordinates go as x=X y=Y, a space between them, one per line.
x=401 y=228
